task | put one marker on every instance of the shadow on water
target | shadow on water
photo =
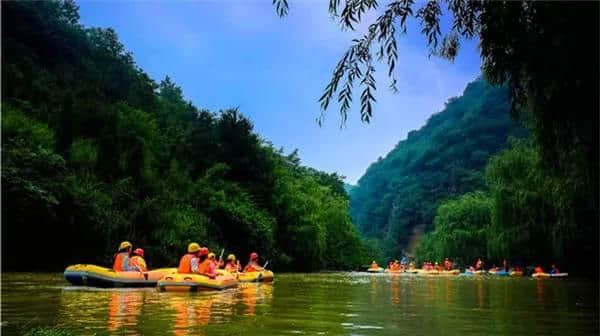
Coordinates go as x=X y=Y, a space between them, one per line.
x=313 y=304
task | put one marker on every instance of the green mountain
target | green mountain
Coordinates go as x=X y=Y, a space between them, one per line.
x=396 y=199
x=349 y=187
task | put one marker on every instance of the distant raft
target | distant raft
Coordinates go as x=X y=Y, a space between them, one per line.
x=428 y=272
x=450 y=272
x=474 y=273
x=185 y=282
x=550 y=275
x=97 y=276
x=375 y=270
x=498 y=273
x=262 y=276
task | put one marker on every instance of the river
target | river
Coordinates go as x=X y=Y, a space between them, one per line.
x=310 y=304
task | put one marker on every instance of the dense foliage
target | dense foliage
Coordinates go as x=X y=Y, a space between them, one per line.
x=546 y=52
x=441 y=160
x=95 y=152
x=527 y=217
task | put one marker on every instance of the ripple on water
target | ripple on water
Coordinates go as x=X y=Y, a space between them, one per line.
x=323 y=304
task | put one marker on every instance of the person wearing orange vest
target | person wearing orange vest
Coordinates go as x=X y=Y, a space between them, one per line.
x=121 y=258
x=447 y=264
x=206 y=265
x=232 y=264
x=538 y=269
x=253 y=264
x=374 y=264
x=189 y=262
x=137 y=261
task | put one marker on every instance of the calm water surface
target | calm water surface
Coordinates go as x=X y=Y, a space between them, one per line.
x=310 y=304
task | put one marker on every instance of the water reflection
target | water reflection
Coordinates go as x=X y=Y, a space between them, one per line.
x=124 y=309
x=252 y=294
x=333 y=304
x=191 y=311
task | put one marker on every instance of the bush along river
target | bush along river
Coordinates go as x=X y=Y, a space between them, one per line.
x=308 y=304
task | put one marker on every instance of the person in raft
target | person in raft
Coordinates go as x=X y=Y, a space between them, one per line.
x=479 y=264
x=214 y=263
x=374 y=265
x=189 y=262
x=232 y=264
x=447 y=264
x=137 y=261
x=505 y=265
x=253 y=265
x=121 y=261
x=207 y=266
x=538 y=269
x=554 y=270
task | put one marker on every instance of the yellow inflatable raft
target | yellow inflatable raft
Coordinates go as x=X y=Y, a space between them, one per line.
x=428 y=272
x=549 y=275
x=97 y=276
x=450 y=272
x=181 y=282
x=375 y=270
x=515 y=273
x=262 y=276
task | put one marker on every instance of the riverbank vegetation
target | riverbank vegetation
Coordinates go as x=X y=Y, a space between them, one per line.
x=94 y=152
x=442 y=160
x=547 y=55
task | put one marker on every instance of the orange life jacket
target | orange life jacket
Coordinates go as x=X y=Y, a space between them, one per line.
x=119 y=259
x=206 y=268
x=139 y=262
x=539 y=270
x=231 y=267
x=185 y=264
x=251 y=267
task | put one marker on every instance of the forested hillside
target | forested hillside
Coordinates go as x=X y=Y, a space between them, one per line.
x=95 y=152
x=441 y=160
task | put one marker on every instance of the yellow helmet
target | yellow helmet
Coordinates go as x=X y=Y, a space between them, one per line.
x=211 y=255
x=193 y=247
x=124 y=245
x=231 y=257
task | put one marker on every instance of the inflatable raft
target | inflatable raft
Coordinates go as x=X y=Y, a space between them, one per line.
x=428 y=272
x=548 y=275
x=375 y=270
x=498 y=273
x=182 y=282
x=97 y=276
x=450 y=272
x=412 y=271
x=470 y=273
x=262 y=276
x=516 y=273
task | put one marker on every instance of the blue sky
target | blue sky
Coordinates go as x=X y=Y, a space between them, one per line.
x=230 y=53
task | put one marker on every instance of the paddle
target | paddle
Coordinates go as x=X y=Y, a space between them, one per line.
x=265 y=265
